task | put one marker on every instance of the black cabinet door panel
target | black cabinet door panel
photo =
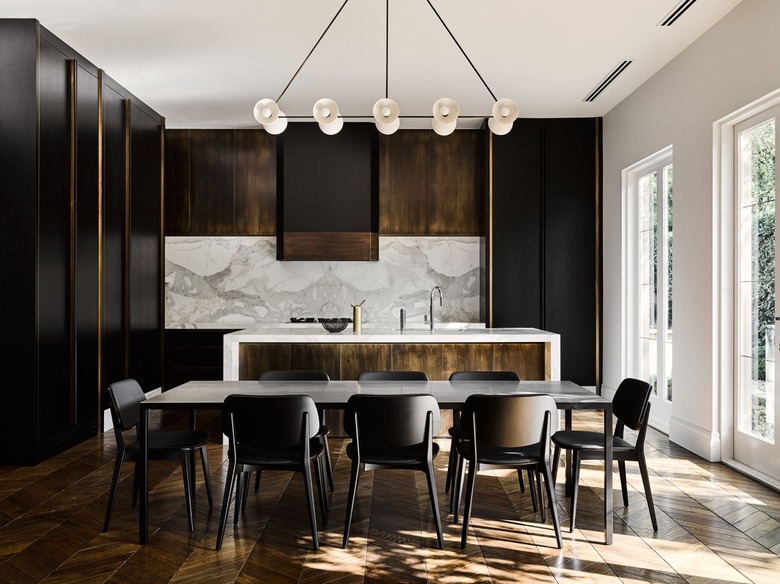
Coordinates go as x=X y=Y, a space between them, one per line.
x=144 y=280
x=86 y=249
x=571 y=245
x=55 y=392
x=518 y=229
x=114 y=192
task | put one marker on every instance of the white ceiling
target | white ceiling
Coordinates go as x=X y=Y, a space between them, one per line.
x=204 y=63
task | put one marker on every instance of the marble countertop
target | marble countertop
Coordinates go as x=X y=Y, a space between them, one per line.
x=443 y=334
x=378 y=334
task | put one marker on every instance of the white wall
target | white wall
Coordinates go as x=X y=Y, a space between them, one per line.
x=733 y=64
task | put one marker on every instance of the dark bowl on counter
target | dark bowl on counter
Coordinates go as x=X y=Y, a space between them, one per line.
x=334 y=325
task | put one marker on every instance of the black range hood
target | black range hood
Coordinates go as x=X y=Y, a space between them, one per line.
x=327 y=193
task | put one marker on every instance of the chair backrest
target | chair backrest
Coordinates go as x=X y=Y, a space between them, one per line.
x=630 y=402
x=294 y=375
x=270 y=421
x=392 y=421
x=393 y=376
x=507 y=421
x=125 y=396
x=484 y=376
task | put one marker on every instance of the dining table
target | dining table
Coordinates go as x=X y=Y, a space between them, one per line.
x=195 y=395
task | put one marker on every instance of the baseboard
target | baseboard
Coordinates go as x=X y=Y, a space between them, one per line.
x=704 y=443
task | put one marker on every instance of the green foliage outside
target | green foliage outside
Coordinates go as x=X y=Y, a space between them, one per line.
x=763 y=269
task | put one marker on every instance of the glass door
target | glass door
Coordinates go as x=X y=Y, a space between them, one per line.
x=653 y=363
x=755 y=407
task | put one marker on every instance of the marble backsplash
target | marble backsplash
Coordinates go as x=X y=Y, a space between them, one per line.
x=238 y=280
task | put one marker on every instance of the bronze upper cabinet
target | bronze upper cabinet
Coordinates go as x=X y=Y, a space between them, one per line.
x=431 y=184
x=404 y=183
x=220 y=182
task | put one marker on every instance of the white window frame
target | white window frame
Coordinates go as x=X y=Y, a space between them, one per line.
x=631 y=364
x=724 y=233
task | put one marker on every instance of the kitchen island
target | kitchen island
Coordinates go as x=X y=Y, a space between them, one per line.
x=534 y=354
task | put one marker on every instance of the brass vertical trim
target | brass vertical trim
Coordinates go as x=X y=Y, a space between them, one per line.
x=489 y=299
x=126 y=240
x=161 y=285
x=597 y=223
x=101 y=235
x=72 y=227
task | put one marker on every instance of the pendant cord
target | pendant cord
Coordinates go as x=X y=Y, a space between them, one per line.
x=387 y=45
x=312 y=50
x=461 y=48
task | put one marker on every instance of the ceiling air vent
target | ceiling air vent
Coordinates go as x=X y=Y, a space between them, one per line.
x=676 y=12
x=607 y=81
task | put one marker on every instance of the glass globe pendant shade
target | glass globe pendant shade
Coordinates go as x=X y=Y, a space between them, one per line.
x=266 y=111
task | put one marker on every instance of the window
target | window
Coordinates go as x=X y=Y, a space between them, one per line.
x=650 y=204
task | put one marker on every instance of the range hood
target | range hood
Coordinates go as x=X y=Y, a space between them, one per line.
x=327 y=193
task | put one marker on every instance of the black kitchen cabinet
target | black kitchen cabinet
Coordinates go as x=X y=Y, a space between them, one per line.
x=52 y=340
x=544 y=236
x=328 y=188
x=133 y=319
x=193 y=354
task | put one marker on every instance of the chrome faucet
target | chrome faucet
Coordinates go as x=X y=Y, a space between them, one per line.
x=441 y=302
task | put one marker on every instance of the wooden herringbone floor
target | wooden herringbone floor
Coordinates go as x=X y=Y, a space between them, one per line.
x=715 y=526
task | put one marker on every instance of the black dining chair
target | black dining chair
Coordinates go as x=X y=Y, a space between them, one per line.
x=396 y=432
x=454 y=430
x=507 y=431
x=269 y=432
x=631 y=408
x=324 y=430
x=125 y=397
x=393 y=376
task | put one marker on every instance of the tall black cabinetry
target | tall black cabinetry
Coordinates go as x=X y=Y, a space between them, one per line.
x=51 y=162
x=543 y=236
x=133 y=320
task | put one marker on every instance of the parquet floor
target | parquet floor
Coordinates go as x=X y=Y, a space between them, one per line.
x=714 y=526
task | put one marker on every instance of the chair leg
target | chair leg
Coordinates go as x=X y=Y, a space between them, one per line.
x=204 y=459
x=575 y=488
x=187 y=472
x=320 y=468
x=540 y=498
x=318 y=474
x=532 y=487
x=429 y=474
x=242 y=479
x=257 y=481
x=648 y=492
x=556 y=460
x=469 y=500
x=112 y=493
x=451 y=465
x=623 y=482
x=328 y=464
x=549 y=486
x=310 y=503
x=353 y=483
x=244 y=491
x=457 y=487
x=231 y=477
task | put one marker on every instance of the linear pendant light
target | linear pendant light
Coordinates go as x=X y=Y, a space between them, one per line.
x=386 y=112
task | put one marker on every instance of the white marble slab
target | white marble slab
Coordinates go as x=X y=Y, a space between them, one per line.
x=230 y=281
x=387 y=335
